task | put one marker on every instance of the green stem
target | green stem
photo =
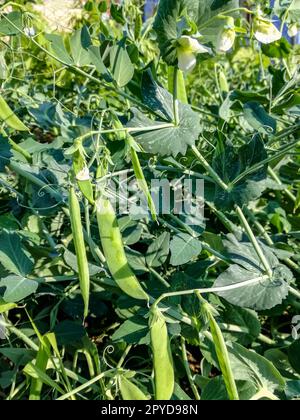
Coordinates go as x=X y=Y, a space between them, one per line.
x=188 y=370
x=175 y=97
x=254 y=242
x=278 y=180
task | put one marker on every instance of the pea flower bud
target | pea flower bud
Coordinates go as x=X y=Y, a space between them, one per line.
x=293 y=30
x=188 y=48
x=226 y=36
x=265 y=31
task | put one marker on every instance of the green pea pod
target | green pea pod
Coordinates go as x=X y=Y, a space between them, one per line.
x=9 y=117
x=129 y=391
x=181 y=89
x=223 y=82
x=164 y=377
x=139 y=174
x=77 y=230
x=223 y=357
x=41 y=363
x=114 y=252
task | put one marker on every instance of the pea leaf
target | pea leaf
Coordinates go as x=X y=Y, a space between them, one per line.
x=133 y=331
x=13 y=256
x=165 y=141
x=79 y=43
x=183 y=249
x=13 y=289
x=5 y=153
x=250 y=366
x=9 y=23
x=265 y=294
x=229 y=163
x=293 y=353
x=68 y=332
x=121 y=65
x=158 y=251
x=256 y=115
x=59 y=48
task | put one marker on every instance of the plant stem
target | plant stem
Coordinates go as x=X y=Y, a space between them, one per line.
x=235 y=286
x=278 y=180
x=209 y=169
x=254 y=242
x=188 y=370
x=175 y=97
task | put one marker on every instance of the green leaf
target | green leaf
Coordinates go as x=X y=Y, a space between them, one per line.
x=256 y=115
x=59 y=49
x=7 y=28
x=260 y=296
x=121 y=65
x=5 y=153
x=133 y=331
x=230 y=162
x=96 y=59
x=130 y=391
x=184 y=248
x=250 y=366
x=19 y=356
x=293 y=353
x=80 y=43
x=68 y=332
x=13 y=256
x=158 y=251
x=13 y=289
x=244 y=319
x=165 y=141
x=291 y=7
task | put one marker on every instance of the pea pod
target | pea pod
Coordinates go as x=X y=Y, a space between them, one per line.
x=9 y=117
x=162 y=356
x=41 y=363
x=223 y=357
x=77 y=230
x=129 y=391
x=139 y=174
x=114 y=252
x=181 y=89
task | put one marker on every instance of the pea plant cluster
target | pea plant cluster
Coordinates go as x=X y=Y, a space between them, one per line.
x=104 y=302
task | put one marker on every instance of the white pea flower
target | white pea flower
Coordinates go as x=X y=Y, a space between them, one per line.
x=226 y=36
x=293 y=30
x=187 y=50
x=265 y=31
x=30 y=32
x=83 y=175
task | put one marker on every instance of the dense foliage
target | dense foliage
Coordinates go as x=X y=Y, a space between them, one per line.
x=99 y=303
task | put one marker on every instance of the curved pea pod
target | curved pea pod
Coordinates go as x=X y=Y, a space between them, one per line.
x=9 y=117
x=223 y=82
x=114 y=252
x=164 y=377
x=181 y=89
x=129 y=391
x=79 y=244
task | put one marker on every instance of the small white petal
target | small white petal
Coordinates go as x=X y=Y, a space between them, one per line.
x=293 y=30
x=266 y=32
x=226 y=40
x=29 y=32
x=186 y=61
x=83 y=175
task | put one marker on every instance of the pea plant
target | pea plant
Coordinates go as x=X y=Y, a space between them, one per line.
x=149 y=216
